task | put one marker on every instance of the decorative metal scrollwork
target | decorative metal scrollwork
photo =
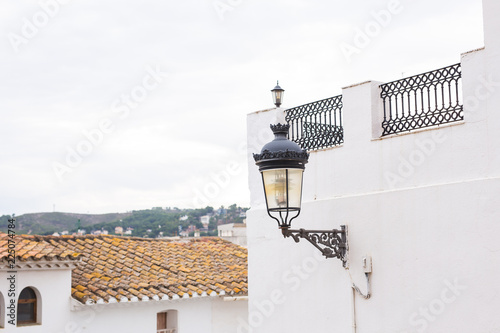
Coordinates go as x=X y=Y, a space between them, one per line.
x=316 y=125
x=331 y=243
x=266 y=154
x=423 y=100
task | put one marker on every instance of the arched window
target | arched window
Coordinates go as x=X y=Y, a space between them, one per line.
x=27 y=307
x=166 y=322
x=2 y=311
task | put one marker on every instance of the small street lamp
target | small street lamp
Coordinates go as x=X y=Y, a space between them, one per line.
x=278 y=93
x=282 y=163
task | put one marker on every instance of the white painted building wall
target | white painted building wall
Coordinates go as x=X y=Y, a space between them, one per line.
x=233 y=232
x=205 y=220
x=424 y=205
x=62 y=314
x=202 y=314
x=54 y=288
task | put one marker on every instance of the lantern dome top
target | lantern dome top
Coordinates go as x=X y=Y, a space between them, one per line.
x=281 y=152
x=278 y=88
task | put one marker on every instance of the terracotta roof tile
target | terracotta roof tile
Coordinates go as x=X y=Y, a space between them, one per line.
x=118 y=267
x=28 y=248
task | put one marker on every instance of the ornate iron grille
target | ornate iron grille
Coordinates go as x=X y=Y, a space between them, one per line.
x=316 y=125
x=424 y=100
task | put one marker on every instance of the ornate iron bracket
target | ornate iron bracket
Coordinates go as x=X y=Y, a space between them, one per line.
x=331 y=243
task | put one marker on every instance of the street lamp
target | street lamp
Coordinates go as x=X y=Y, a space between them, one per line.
x=282 y=163
x=278 y=93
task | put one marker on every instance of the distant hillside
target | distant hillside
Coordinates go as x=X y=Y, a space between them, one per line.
x=142 y=223
x=48 y=223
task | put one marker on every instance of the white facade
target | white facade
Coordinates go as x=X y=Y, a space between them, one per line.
x=53 y=288
x=423 y=205
x=59 y=313
x=203 y=314
x=233 y=232
x=205 y=220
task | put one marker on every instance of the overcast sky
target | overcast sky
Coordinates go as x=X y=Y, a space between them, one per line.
x=111 y=106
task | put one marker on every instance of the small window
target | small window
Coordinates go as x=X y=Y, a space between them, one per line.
x=27 y=307
x=166 y=322
x=2 y=309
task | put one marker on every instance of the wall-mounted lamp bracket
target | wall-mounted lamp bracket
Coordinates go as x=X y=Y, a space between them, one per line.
x=331 y=243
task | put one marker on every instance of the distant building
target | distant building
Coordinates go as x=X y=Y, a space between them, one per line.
x=233 y=232
x=205 y=220
x=118 y=230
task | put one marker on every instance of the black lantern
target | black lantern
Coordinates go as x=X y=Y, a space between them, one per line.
x=282 y=163
x=278 y=95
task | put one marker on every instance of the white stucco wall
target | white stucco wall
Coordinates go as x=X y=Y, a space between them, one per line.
x=228 y=313
x=424 y=206
x=203 y=314
x=61 y=314
x=54 y=287
x=192 y=316
x=233 y=232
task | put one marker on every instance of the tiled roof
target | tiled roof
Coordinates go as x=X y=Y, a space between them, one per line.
x=28 y=248
x=121 y=269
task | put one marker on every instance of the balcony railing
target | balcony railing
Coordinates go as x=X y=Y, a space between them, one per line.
x=424 y=100
x=316 y=125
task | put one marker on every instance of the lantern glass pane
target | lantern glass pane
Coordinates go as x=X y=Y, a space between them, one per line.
x=278 y=96
x=279 y=196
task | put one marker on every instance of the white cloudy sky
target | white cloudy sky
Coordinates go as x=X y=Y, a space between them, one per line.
x=72 y=71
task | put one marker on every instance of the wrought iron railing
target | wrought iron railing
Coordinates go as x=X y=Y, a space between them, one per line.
x=316 y=125
x=424 y=100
